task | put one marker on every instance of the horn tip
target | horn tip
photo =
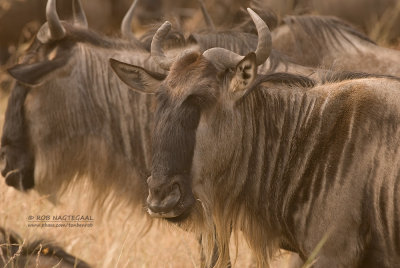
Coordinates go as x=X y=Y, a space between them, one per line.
x=253 y=14
x=250 y=11
x=255 y=17
x=166 y=26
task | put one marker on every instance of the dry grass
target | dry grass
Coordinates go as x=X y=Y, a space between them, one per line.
x=115 y=241
x=380 y=32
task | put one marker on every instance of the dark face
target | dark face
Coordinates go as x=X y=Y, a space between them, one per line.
x=16 y=156
x=174 y=138
x=170 y=192
x=17 y=161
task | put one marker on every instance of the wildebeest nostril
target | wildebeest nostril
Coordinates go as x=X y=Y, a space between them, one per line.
x=163 y=200
x=3 y=163
x=14 y=179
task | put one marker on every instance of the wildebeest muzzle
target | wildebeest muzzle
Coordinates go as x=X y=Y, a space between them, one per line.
x=169 y=197
x=17 y=168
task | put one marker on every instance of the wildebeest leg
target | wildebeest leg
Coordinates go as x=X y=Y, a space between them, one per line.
x=15 y=152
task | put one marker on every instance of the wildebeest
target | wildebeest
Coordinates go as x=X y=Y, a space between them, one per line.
x=15 y=252
x=93 y=127
x=277 y=157
x=330 y=43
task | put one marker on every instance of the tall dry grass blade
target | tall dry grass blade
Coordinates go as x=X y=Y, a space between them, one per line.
x=59 y=263
x=120 y=252
x=38 y=255
x=313 y=256
x=16 y=255
x=75 y=262
x=188 y=252
x=1 y=253
x=380 y=31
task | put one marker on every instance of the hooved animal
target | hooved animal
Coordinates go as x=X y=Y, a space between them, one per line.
x=330 y=43
x=62 y=120
x=278 y=157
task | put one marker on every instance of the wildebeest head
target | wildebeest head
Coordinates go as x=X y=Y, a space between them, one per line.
x=51 y=54
x=197 y=86
x=50 y=50
x=46 y=54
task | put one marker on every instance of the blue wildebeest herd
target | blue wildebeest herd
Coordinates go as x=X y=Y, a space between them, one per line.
x=289 y=136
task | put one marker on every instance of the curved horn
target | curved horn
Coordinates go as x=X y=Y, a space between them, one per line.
x=222 y=57
x=227 y=59
x=207 y=17
x=156 y=51
x=126 y=25
x=79 y=14
x=264 y=45
x=57 y=31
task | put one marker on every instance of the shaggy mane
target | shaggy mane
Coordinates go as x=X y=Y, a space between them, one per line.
x=323 y=30
x=91 y=37
x=330 y=76
x=286 y=79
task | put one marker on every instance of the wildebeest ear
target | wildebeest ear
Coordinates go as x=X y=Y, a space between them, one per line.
x=245 y=73
x=32 y=74
x=138 y=78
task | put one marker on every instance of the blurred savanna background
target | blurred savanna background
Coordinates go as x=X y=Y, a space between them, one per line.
x=122 y=237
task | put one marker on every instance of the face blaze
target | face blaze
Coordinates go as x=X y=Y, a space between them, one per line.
x=174 y=140
x=180 y=103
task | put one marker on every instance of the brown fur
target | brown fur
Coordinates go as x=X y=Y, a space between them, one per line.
x=289 y=164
